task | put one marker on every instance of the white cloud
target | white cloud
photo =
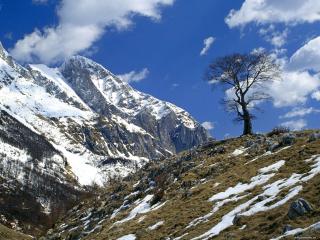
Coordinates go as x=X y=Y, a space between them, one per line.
x=307 y=57
x=300 y=112
x=273 y=36
x=274 y=11
x=295 y=124
x=278 y=39
x=134 y=76
x=294 y=88
x=316 y=95
x=208 y=125
x=207 y=45
x=174 y=86
x=300 y=78
x=81 y=23
x=39 y=1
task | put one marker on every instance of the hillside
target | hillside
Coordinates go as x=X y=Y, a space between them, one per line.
x=240 y=188
x=7 y=233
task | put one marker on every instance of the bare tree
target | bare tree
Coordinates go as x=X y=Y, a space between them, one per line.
x=244 y=75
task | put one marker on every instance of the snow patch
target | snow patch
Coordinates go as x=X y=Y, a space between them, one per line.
x=298 y=230
x=273 y=168
x=156 y=225
x=128 y=237
x=238 y=151
x=262 y=201
x=142 y=207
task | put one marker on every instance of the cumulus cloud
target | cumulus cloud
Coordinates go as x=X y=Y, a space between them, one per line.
x=300 y=112
x=274 y=11
x=81 y=23
x=273 y=36
x=207 y=45
x=294 y=88
x=208 y=125
x=316 y=95
x=134 y=76
x=307 y=57
x=300 y=77
x=295 y=124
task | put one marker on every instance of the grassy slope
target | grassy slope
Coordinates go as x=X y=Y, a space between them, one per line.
x=189 y=180
x=9 y=234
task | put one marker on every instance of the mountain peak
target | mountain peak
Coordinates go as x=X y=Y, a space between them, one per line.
x=81 y=62
x=3 y=52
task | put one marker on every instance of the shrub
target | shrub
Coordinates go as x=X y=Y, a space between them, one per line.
x=158 y=196
x=278 y=130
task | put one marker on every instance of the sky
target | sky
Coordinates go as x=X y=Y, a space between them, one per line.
x=164 y=48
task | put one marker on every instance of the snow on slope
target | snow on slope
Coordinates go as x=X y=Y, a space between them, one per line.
x=127 y=99
x=31 y=104
x=53 y=75
x=43 y=100
x=269 y=195
x=14 y=153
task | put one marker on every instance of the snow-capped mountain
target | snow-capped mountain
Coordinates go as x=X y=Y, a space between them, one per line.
x=95 y=125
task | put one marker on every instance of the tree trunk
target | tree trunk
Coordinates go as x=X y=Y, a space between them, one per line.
x=247 y=124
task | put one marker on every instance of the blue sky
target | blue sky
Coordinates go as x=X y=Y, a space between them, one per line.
x=162 y=40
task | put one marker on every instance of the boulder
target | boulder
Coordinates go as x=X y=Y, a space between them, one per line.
x=217 y=150
x=272 y=145
x=287 y=139
x=262 y=198
x=299 y=208
x=236 y=220
x=249 y=143
x=254 y=148
x=314 y=137
x=152 y=184
x=287 y=228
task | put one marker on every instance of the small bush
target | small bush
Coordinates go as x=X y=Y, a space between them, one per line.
x=278 y=130
x=158 y=196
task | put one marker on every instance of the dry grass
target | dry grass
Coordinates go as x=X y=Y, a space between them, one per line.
x=9 y=234
x=187 y=196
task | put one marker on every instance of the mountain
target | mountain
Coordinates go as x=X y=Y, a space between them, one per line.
x=252 y=187
x=68 y=127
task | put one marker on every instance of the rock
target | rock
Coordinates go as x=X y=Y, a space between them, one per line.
x=249 y=143
x=272 y=145
x=236 y=220
x=152 y=184
x=261 y=198
x=317 y=227
x=220 y=150
x=288 y=139
x=314 y=137
x=254 y=148
x=287 y=228
x=186 y=184
x=298 y=208
x=260 y=139
x=186 y=194
x=217 y=150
